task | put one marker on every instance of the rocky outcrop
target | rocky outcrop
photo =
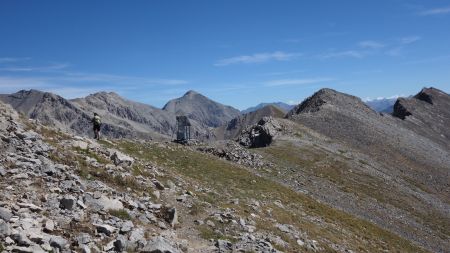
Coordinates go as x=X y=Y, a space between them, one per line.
x=262 y=134
x=231 y=151
x=233 y=128
x=202 y=109
x=427 y=113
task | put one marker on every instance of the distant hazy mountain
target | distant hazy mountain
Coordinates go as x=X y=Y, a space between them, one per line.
x=283 y=106
x=202 y=109
x=382 y=104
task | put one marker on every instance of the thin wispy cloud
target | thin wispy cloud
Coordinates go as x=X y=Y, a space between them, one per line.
x=117 y=79
x=258 y=58
x=341 y=54
x=47 y=68
x=396 y=51
x=371 y=44
x=409 y=40
x=284 y=82
x=430 y=60
x=435 y=11
x=13 y=59
x=282 y=73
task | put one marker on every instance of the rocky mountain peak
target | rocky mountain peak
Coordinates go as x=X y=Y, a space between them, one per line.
x=430 y=95
x=191 y=94
x=202 y=109
x=104 y=95
x=331 y=99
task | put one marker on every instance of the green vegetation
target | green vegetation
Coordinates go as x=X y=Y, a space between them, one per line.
x=91 y=154
x=121 y=214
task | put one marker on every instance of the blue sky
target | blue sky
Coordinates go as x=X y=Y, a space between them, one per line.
x=239 y=53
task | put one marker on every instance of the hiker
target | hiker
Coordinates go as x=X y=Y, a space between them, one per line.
x=97 y=124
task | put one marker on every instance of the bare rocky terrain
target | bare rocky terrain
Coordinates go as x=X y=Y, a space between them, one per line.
x=330 y=176
x=121 y=118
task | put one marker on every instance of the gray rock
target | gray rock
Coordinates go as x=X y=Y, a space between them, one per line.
x=136 y=235
x=121 y=243
x=21 y=239
x=29 y=135
x=49 y=226
x=105 y=229
x=159 y=245
x=2 y=171
x=30 y=206
x=68 y=202
x=36 y=236
x=109 y=246
x=158 y=185
x=85 y=249
x=83 y=238
x=5 y=230
x=31 y=249
x=102 y=203
x=121 y=159
x=58 y=242
x=283 y=228
x=126 y=227
x=210 y=223
x=224 y=246
x=50 y=170
x=261 y=134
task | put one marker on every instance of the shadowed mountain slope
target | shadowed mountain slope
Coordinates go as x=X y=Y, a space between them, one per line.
x=202 y=109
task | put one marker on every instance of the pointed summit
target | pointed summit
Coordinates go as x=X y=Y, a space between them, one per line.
x=191 y=93
x=202 y=109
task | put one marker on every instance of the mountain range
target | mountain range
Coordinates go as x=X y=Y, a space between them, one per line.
x=390 y=170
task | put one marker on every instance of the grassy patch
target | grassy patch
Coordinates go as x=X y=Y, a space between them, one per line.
x=121 y=214
x=230 y=181
x=91 y=154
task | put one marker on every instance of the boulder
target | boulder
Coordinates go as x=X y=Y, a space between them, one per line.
x=2 y=171
x=5 y=214
x=126 y=227
x=68 y=202
x=5 y=229
x=159 y=245
x=58 y=242
x=79 y=144
x=49 y=226
x=105 y=229
x=121 y=159
x=102 y=203
x=224 y=246
x=261 y=134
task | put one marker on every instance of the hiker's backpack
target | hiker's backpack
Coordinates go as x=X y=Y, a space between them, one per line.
x=97 y=120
